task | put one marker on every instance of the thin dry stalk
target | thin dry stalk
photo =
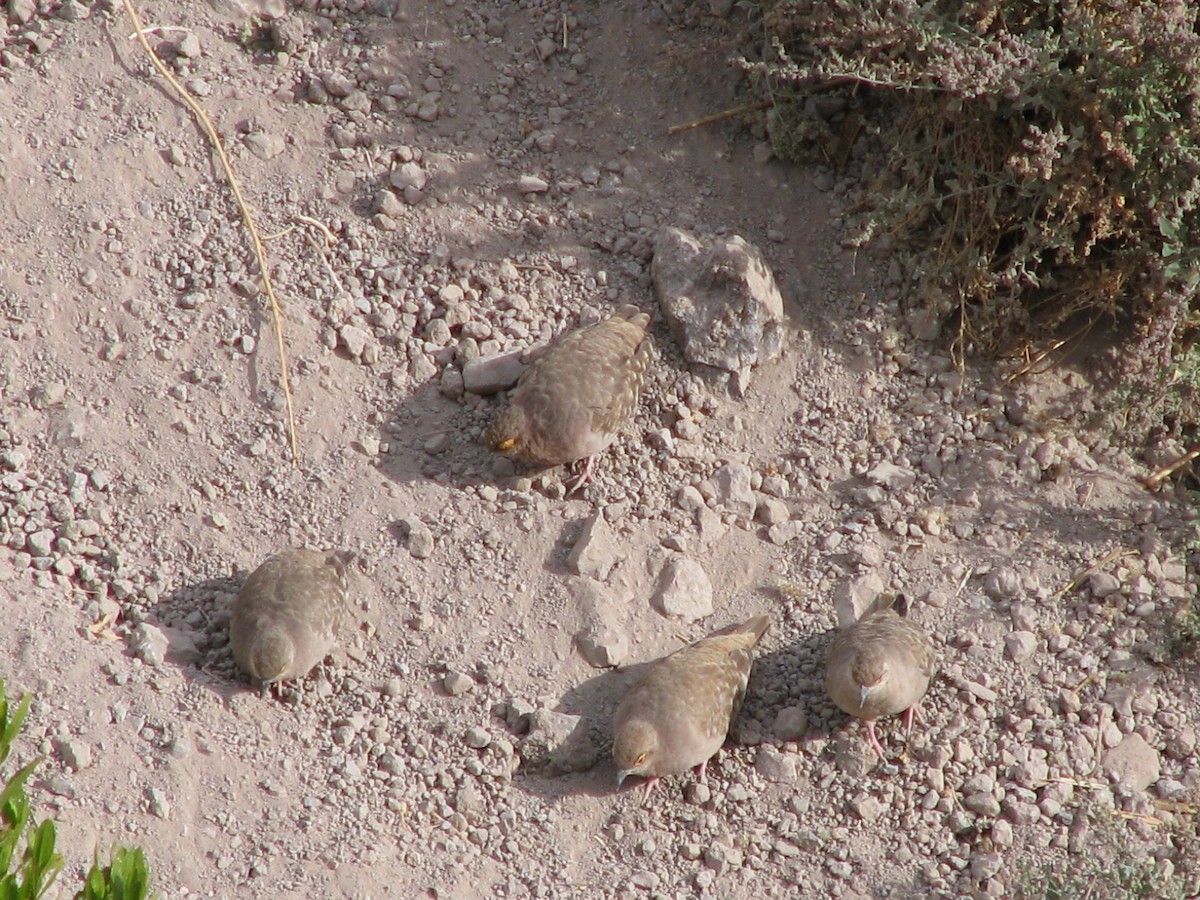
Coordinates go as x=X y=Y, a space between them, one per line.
x=1114 y=554
x=1154 y=480
x=260 y=253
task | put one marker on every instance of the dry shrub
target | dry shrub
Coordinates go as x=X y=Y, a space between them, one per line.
x=1043 y=165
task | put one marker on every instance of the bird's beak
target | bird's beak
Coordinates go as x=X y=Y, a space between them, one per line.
x=622 y=775
x=506 y=444
x=864 y=691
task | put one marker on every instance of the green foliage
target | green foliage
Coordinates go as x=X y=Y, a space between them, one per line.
x=1044 y=160
x=127 y=878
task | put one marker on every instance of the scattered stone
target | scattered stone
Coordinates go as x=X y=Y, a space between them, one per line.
x=603 y=647
x=354 y=340
x=21 y=12
x=47 y=395
x=531 y=184
x=489 y=375
x=149 y=644
x=733 y=491
x=852 y=597
x=76 y=754
x=684 y=590
x=785 y=532
x=1103 y=584
x=1020 y=645
x=159 y=805
x=477 y=738
x=563 y=742
x=776 y=766
x=1002 y=583
x=1133 y=763
x=891 y=476
x=721 y=301
x=595 y=552
x=456 y=684
x=791 y=723
x=264 y=146
x=867 y=807
x=420 y=538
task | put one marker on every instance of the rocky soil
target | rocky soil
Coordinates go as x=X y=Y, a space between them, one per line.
x=491 y=173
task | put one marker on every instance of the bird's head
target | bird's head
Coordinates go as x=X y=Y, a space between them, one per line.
x=504 y=433
x=272 y=655
x=870 y=672
x=635 y=749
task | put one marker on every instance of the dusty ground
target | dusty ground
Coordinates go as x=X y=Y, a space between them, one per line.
x=145 y=469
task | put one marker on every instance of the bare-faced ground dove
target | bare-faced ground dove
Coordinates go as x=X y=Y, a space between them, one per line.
x=880 y=665
x=286 y=616
x=573 y=399
x=678 y=714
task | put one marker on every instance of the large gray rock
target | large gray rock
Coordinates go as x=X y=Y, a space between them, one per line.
x=721 y=301
x=684 y=591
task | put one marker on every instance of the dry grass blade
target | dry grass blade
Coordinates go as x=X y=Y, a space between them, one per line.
x=717 y=117
x=1154 y=480
x=260 y=253
x=1115 y=554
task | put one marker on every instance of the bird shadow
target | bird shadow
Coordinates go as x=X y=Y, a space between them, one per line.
x=789 y=676
x=580 y=763
x=194 y=619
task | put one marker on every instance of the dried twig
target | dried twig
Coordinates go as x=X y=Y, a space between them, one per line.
x=1154 y=480
x=1114 y=554
x=717 y=117
x=260 y=254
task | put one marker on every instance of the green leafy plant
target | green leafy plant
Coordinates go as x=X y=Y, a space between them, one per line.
x=28 y=875
x=127 y=877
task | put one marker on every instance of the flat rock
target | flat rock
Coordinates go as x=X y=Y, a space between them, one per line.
x=1133 y=762
x=721 y=301
x=603 y=647
x=684 y=590
x=492 y=374
x=892 y=476
x=562 y=742
x=595 y=552
x=853 y=596
x=1020 y=645
x=733 y=491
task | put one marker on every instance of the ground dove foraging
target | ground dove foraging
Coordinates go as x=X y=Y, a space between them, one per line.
x=880 y=665
x=677 y=715
x=285 y=617
x=574 y=398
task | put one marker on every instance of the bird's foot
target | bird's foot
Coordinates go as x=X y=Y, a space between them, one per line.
x=873 y=740
x=700 y=772
x=648 y=789
x=582 y=478
x=913 y=712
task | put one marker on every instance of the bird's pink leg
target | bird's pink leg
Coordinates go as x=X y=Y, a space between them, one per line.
x=872 y=739
x=648 y=789
x=583 y=477
x=912 y=712
x=700 y=769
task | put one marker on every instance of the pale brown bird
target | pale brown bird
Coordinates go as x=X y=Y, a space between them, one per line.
x=678 y=713
x=880 y=665
x=286 y=616
x=573 y=399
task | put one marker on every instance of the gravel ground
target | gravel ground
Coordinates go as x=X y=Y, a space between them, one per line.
x=491 y=173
